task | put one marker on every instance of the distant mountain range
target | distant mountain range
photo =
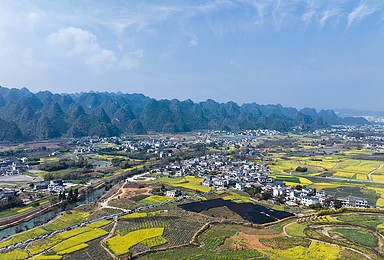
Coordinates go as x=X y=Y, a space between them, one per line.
x=346 y=112
x=30 y=116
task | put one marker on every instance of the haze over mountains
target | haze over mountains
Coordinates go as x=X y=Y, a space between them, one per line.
x=30 y=116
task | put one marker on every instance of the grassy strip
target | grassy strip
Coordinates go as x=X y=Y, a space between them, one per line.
x=47 y=257
x=99 y=224
x=72 y=249
x=342 y=210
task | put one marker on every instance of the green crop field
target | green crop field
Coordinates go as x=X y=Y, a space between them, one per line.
x=213 y=243
x=284 y=242
x=296 y=230
x=67 y=220
x=188 y=182
x=356 y=235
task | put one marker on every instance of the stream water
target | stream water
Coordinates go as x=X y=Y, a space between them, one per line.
x=43 y=218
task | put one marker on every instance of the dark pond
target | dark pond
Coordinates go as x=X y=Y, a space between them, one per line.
x=256 y=214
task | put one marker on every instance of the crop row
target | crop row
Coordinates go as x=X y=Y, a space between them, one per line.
x=155 y=241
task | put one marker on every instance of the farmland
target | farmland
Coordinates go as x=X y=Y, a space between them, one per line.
x=355 y=235
x=121 y=244
x=224 y=228
x=188 y=182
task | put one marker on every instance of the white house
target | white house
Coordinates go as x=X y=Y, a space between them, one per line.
x=306 y=200
x=173 y=193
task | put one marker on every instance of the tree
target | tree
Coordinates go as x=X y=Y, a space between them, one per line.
x=76 y=194
x=337 y=204
x=70 y=195
x=301 y=169
x=265 y=195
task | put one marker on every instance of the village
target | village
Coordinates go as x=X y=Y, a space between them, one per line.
x=221 y=174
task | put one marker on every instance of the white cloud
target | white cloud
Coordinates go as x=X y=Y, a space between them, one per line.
x=359 y=13
x=194 y=41
x=102 y=60
x=327 y=15
x=34 y=17
x=131 y=59
x=308 y=16
x=76 y=43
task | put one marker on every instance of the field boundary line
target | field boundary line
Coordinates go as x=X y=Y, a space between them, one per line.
x=111 y=233
x=319 y=241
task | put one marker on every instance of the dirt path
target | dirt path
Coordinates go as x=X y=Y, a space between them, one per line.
x=105 y=203
x=319 y=241
x=335 y=166
x=369 y=174
x=109 y=236
x=254 y=240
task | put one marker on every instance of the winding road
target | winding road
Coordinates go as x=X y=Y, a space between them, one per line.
x=369 y=174
x=319 y=241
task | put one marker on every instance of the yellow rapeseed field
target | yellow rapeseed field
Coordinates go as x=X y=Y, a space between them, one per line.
x=72 y=249
x=316 y=251
x=380 y=201
x=121 y=244
x=379 y=178
x=79 y=239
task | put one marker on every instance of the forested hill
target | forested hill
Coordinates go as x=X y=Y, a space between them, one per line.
x=26 y=116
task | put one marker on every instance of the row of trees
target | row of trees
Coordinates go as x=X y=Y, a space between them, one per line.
x=11 y=202
x=64 y=164
x=71 y=197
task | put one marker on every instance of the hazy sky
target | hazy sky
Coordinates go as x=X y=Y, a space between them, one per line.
x=320 y=53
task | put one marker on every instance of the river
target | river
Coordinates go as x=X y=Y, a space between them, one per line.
x=43 y=218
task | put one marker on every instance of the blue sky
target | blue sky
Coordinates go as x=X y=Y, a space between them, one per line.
x=300 y=53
